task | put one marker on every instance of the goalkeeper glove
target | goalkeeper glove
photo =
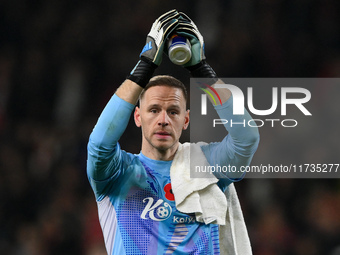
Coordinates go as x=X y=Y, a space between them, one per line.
x=197 y=65
x=151 y=55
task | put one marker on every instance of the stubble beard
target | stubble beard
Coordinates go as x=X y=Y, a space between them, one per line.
x=163 y=148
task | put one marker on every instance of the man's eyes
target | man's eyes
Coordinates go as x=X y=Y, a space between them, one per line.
x=171 y=112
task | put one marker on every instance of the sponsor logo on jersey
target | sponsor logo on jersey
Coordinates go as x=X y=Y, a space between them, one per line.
x=157 y=211
x=187 y=219
x=160 y=210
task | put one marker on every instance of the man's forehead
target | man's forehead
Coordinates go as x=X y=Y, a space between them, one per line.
x=163 y=92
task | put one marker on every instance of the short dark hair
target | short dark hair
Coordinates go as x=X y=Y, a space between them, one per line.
x=165 y=80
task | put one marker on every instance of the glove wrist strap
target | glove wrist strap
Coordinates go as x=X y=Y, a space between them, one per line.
x=202 y=70
x=142 y=72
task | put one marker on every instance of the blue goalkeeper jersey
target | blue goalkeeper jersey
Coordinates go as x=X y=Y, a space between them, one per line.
x=136 y=206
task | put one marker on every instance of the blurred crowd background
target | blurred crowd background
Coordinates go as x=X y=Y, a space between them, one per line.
x=60 y=61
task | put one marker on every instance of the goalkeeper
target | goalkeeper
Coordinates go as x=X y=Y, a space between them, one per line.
x=136 y=204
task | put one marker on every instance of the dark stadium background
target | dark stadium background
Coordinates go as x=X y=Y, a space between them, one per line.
x=60 y=61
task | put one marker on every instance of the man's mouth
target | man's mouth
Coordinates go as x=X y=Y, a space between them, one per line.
x=162 y=134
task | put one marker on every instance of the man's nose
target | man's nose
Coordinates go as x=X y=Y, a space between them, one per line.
x=163 y=119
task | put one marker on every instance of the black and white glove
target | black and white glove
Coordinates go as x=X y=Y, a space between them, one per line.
x=197 y=65
x=151 y=55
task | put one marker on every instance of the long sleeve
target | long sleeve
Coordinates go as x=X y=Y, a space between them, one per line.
x=103 y=148
x=238 y=147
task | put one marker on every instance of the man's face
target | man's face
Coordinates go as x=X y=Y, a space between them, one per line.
x=162 y=116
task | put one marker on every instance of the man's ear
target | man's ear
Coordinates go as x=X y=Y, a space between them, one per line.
x=186 y=120
x=136 y=116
